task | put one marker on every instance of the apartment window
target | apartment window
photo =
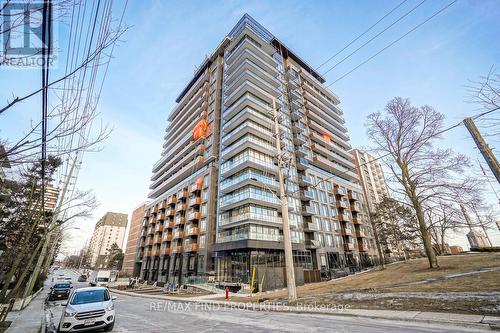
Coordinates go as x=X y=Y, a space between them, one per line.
x=204 y=195
x=329 y=240
x=322 y=196
x=203 y=225
x=324 y=210
x=204 y=209
x=327 y=226
x=202 y=241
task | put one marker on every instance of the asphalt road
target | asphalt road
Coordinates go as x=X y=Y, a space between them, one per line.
x=134 y=314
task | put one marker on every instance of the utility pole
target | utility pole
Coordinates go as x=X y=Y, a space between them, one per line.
x=48 y=234
x=289 y=268
x=483 y=147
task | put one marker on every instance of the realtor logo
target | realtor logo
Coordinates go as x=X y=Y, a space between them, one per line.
x=21 y=34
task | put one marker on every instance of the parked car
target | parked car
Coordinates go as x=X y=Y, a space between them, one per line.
x=89 y=308
x=82 y=278
x=60 y=291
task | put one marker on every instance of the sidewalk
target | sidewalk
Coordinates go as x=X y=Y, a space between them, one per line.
x=31 y=318
x=464 y=320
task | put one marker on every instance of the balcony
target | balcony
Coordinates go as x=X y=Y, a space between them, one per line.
x=194 y=201
x=172 y=200
x=312 y=227
x=161 y=216
x=344 y=217
x=312 y=243
x=180 y=207
x=302 y=163
x=149 y=242
x=157 y=240
x=343 y=204
x=338 y=190
x=356 y=207
x=300 y=139
x=247 y=217
x=195 y=187
x=170 y=224
x=193 y=247
x=167 y=237
x=305 y=181
x=360 y=234
x=348 y=247
x=178 y=234
x=193 y=216
x=155 y=210
x=167 y=251
x=248 y=141
x=231 y=167
x=179 y=220
x=182 y=194
x=362 y=247
x=354 y=196
x=164 y=204
x=346 y=232
x=156 y=253
x=334 y=168
x=177 y=249
x=147 y=253
x=151 y=230
x=306 y=195
x=170 y=212
x=144 y=233
x=191 y=231
x=357 y=219
x=308 y=211
x=159 y=227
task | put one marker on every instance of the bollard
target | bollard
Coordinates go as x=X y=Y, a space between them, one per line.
x=227 y=292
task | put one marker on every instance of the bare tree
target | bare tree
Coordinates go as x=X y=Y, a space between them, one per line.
x=485 y=92
x=404 y=135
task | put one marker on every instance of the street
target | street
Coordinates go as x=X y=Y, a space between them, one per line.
x=135 y=314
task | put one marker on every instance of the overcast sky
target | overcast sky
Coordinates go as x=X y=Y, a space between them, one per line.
x=167 y=40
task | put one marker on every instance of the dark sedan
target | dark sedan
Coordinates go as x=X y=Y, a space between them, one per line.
x=60 y=291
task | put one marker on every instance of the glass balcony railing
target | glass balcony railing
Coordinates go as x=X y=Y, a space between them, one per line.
x=249 y=236
x=247 y=124
x=247 y=194
x=250 y=174
x=232 y=164
x=250 y=216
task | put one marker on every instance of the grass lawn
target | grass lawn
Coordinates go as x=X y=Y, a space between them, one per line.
x=398 y=278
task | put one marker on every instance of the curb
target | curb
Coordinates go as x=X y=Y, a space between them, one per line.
x=287 y=309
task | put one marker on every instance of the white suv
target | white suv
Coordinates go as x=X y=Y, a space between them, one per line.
x=88 y=308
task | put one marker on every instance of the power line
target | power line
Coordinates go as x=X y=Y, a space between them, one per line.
x=374 y=37
x=387 y=154
x=394 y=42
x=361 y=35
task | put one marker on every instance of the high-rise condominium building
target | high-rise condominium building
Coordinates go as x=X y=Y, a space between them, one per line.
x=109 y=229
x=214 y=209
x=371 y=178
x=131 y=262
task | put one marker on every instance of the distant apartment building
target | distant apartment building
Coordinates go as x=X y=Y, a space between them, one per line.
x=131 y=261
x=214 y=210
x=51 y=196
x=371 y=177
x=109 y=229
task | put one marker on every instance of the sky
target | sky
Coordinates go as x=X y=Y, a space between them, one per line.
x=168 y=39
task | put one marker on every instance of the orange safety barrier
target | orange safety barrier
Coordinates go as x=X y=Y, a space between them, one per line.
x=199 y=181
x=327 y=137
x=200 y=130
